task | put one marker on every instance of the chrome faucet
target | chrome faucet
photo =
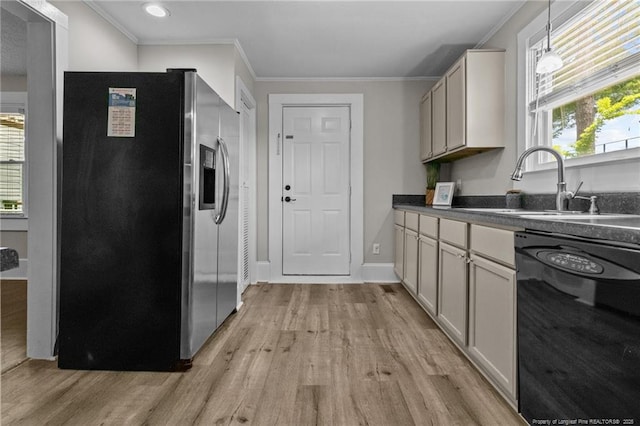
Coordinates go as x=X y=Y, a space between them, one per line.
x=562 y=195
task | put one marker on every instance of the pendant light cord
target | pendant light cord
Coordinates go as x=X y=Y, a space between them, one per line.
x=549 y=28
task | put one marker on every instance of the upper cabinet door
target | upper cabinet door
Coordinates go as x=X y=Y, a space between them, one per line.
x=467 y=107
x=456 y=105
x=426 y=151
x=439 y=118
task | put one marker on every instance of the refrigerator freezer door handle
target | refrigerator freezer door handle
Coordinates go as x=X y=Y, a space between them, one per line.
x=226 y=176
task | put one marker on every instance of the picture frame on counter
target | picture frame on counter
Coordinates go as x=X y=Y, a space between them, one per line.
x=444 y=193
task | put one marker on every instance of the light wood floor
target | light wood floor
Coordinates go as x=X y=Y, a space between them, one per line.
x=13 y=317
x=293 y=355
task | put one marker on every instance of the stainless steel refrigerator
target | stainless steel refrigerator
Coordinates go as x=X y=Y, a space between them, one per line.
x=148 y=219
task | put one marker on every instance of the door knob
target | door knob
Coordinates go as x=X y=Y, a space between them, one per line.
x=289 y=199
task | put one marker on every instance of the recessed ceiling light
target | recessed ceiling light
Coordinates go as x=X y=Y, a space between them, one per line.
x=156 y=10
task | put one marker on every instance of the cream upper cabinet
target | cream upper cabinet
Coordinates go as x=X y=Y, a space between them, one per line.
x=426 y=150
x=438 y=118
x=456 y=100
x=468 y=106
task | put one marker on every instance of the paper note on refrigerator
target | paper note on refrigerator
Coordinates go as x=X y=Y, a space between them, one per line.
x=122 y=112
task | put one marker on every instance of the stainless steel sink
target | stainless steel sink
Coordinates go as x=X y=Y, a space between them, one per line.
x=543 y=214
x=492 y=210
x=570 y=216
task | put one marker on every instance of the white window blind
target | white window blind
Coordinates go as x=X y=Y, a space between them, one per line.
x=600 y=46
x=12 y=159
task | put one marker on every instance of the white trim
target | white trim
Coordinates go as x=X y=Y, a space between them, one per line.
x=48 y=58
x=41 y=8
x=379 y=273
x=276 y=103
x=110 y=19
x=497 y=27
x=19 y=273
x=345 y=79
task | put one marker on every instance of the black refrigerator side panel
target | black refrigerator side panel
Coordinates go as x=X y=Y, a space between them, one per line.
x=121 y=226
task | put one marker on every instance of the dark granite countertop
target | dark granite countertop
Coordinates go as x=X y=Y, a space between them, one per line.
x=8 y=259
x=626 y=234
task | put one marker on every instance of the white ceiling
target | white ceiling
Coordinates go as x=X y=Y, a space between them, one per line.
x=323 y=39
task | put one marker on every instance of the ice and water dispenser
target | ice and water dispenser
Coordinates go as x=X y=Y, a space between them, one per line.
x=207 y=178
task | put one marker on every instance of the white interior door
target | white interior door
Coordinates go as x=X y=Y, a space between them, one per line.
x=316 y=191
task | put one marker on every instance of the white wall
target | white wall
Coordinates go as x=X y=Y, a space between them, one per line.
x=391 y=151
x=215 y=63
x=94 y=44
x=489 y=173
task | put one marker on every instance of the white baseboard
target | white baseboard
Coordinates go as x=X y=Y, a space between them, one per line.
x=19 y=273
x=379 y=273
x=370 y=273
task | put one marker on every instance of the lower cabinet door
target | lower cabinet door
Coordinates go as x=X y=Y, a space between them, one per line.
x=398 y=263
x=428 y=274
x=492 y=320
x=452 y=291
x=411 y=260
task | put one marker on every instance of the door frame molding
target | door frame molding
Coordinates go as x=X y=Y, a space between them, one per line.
x=47 y=43
x=356 y=221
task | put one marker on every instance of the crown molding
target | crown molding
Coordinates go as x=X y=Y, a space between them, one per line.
x=110 y=19
x=497 y=27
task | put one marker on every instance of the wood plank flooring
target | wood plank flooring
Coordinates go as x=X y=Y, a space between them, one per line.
x=13 y=317
x=293 y=355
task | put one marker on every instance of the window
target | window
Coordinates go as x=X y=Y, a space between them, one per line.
x=12 y=161
x=590 y=108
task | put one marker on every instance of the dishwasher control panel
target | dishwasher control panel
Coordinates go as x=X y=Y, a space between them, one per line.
x=572 y=262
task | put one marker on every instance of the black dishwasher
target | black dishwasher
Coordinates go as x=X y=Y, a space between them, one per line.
x=578 y=330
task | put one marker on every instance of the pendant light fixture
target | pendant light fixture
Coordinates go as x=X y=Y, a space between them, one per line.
x=549 y=61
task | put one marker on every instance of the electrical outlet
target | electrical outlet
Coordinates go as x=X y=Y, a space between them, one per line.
x=376 y=248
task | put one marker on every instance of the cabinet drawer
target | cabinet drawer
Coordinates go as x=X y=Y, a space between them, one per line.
x=496 y=244
x=411 y=221
x=429 y=226
x=454 y=232
x=398 y=217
